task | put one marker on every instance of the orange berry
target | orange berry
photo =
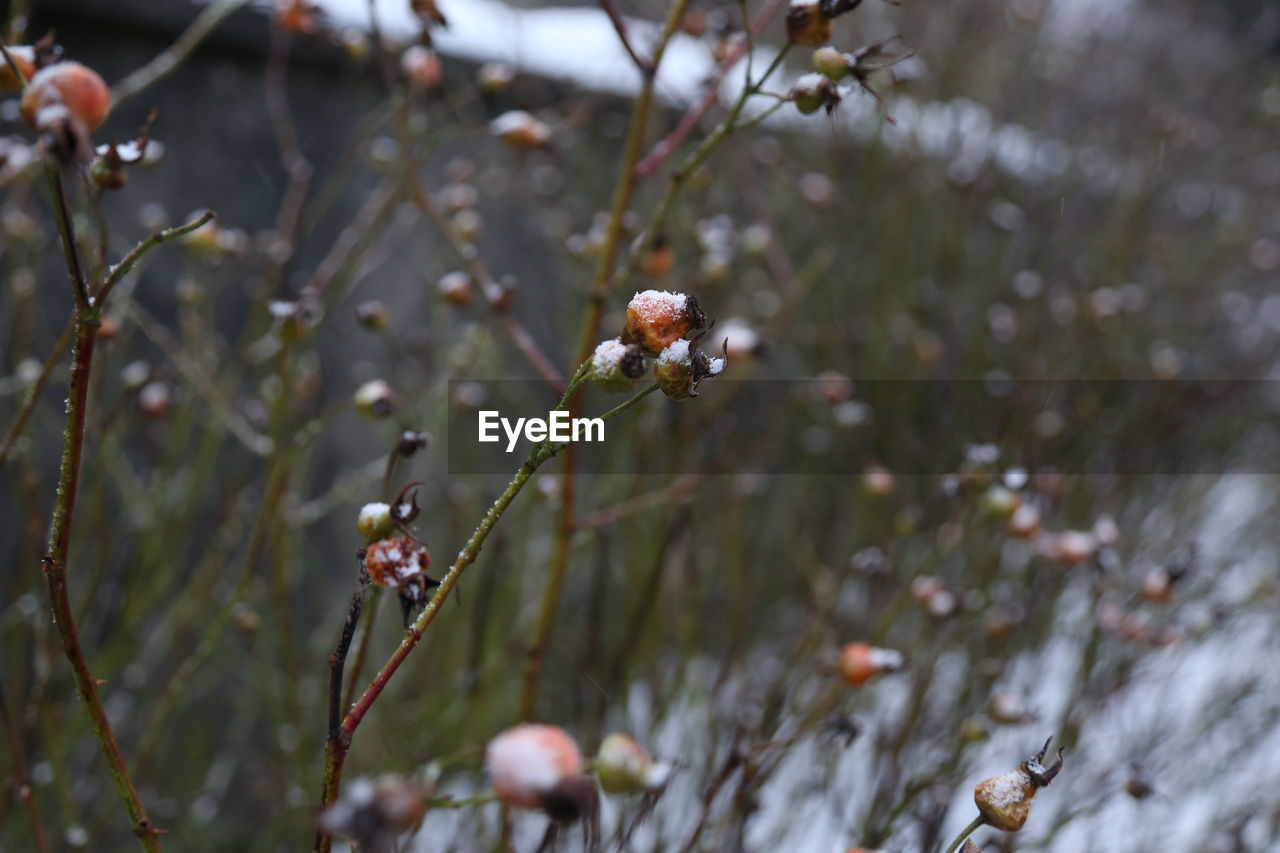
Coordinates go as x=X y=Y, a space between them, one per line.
x=69 y=86
x=656 y=319
x=859 y=662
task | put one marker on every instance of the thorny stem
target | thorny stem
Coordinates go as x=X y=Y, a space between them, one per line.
x=55 y=560
x=336 y=758
x=965 y=833
x=564 y=530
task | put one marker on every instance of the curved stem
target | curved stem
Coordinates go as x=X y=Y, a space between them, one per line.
x=965 y=833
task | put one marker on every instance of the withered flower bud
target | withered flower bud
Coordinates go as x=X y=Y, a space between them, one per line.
x=1005 y=801
x=813 y=92
x=623 y=766
x=401 y=564
x=373 y=315
x=375 y=399
x=682 y=366
x=411 y=442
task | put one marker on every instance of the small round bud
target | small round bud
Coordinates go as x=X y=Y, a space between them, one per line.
x=374 y=521
x=421 y=67
x=520 y=130
x=411 y=442
x=494 y=77
x=1073 y=547
x=373 y=315
x=456 y=288
x=656 y=319
x=807 y=25
x=1024 y=522
x=616 y=366
x=812 y=92
x=625 y=767
x=859 y=662
x=375 y=399
x=1000 y=501
x=79 y=90
x=831 y=63
x=154 y=400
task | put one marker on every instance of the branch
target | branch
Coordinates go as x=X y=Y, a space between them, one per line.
x=164 y=63
x=119 y=271
x=665 y=148
x=33 y=393
x=647 y=69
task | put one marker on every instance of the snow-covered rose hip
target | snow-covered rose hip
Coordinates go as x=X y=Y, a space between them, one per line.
x=657 y=318
x=1005 y=801
x=681 y=367
x=66 y=90
x=625 y=767
x=616 y=366
x=539 y=767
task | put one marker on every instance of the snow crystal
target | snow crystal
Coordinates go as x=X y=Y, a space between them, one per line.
x=677 y=353
x=655 y=305
x=372 y=513
x=510 y=121
x=1005 y=790
x=716 y=366
x=608 y=355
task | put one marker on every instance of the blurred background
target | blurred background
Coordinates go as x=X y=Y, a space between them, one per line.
x=1052 y=190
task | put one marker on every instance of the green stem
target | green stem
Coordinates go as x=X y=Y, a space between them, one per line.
x=965 y=833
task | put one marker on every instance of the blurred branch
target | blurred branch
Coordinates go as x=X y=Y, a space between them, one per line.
x=668 y=145
x=164 y=63
x=544 y=452
x=126 y=263
x=646 y=69
x=33 y=393
x=21 y=778
x=623 y=193
x=674 y=492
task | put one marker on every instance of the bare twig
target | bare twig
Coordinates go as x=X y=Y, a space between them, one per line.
x=173 y=56
x=615 y=17
x=670 y=143
x=37 y=387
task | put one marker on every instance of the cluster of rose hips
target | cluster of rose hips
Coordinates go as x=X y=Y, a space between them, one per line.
x=531 y=767
x=658 y=325
x=812 y=24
